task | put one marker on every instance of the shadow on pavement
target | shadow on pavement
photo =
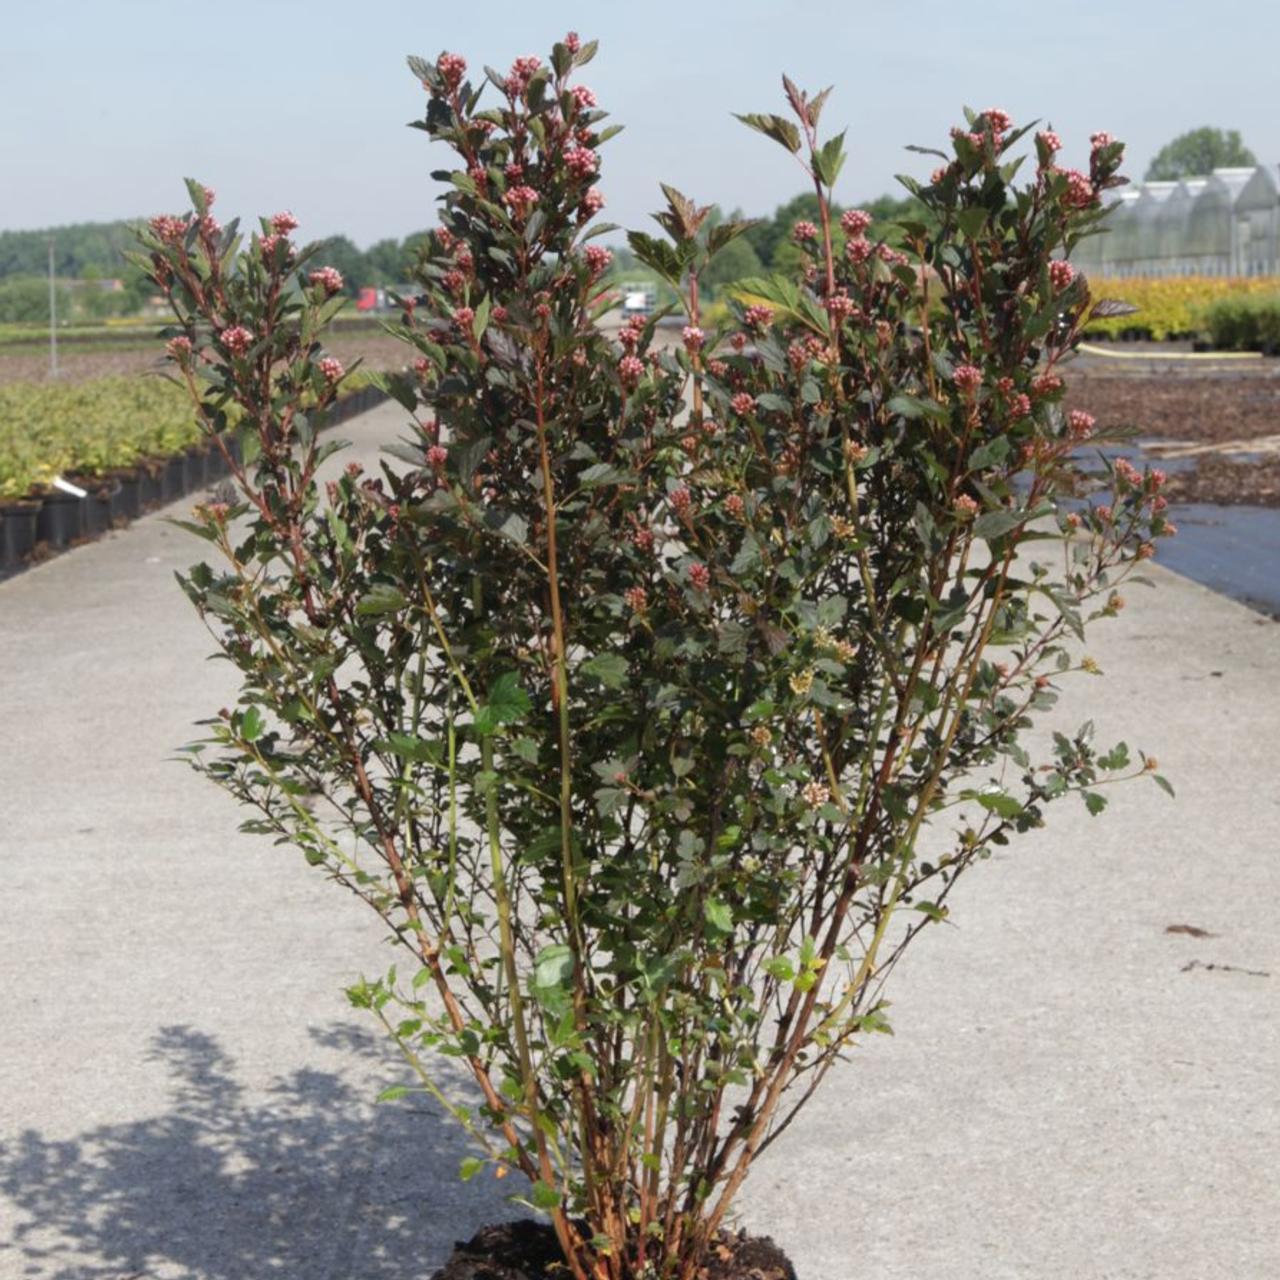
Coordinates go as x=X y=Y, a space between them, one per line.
x=303 y=1182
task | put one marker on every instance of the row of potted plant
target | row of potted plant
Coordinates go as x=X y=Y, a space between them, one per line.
x=78 y=459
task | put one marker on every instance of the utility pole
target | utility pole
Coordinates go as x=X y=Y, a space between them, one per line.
x=53 y=318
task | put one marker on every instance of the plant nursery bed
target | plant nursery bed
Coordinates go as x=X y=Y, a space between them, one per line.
x=527 y=1250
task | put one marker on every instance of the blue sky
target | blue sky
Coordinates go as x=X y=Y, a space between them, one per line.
x=106 y=104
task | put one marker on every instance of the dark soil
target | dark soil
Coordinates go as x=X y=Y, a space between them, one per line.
x=526 y=1250
x=1181 y=406
x=1209 y=408
x=1228 y=483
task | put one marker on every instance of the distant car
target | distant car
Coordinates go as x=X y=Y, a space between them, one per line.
x=639 y=300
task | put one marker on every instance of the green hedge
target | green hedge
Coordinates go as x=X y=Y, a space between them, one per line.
x=1244 y=323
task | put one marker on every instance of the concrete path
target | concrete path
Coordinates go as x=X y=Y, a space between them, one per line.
x=1073 y=1092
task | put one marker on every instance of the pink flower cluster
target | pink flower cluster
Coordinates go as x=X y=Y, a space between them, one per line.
x=1079 y=425
x=452 y=67
x=1020 y=406
x=1099 y=140
x=283 y=223
x=630 y=370
x=858 y=250
x=815 y=794
x=693 y=338
x=522 y=71
x=332 y=369
x=743 y=403
x=967 y=377
x=637 y=599
x=1080 y=192
x=997 y=119
x=1061 y=273
x=598 y=259
x=681 y=502
x=699 y=576
x=168 y=228
x=583 y=97
x=840 y=307
x=592 y=203
x=965 y=507
x=268 y=245
x=437 y=456
x=520 y=200
x=632 y=328
x=758 y=317
x=463 y=318
x=1049 y=140
x=572 y=43
x=735 y=506
x=237 y=339
x=581 y=162
x=328 y=278
x=1128 y=472
x=804 y=230
x=1047 y=384
x=855 y=221
x=178 y=348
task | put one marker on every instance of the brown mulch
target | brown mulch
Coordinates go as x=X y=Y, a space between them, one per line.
x=1227 y=483
x=526 y=1250
x=1177 y=406
x=1211 y=409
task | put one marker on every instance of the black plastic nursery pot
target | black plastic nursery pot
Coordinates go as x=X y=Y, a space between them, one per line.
x=97 y=506
x=194 y=466
x=150 y=484
x=17 y=532
x=61 y=519
x=173 y=479
x=126 y=499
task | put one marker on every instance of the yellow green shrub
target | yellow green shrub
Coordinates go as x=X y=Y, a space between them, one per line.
x=1173 y=306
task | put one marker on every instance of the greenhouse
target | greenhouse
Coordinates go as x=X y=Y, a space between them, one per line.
x=1224 y=224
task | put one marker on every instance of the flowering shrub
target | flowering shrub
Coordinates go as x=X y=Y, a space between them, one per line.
x=657 y=694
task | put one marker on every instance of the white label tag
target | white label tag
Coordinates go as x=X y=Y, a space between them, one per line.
x=67 y=487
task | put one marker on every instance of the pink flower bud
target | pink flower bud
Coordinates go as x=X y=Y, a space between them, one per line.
x=332 y=369
x=758 y=317
x=967 y=378
x=572 y=43
x=997 y=119
x=803 y=231
x=693 y=338
x=1061 y=273
x=699 y=576
x=1079 y=425
x=327 y=278
x=178 y=348
x=965 y=507
x=452 y=67
x=283 y=223
x=598 y=259
x=237 y=339
x=855 y=221
x=630 y=370
x=743 y=403
x=583 y=97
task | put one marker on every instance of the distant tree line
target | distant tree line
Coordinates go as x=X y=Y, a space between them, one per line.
x=94 y=251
